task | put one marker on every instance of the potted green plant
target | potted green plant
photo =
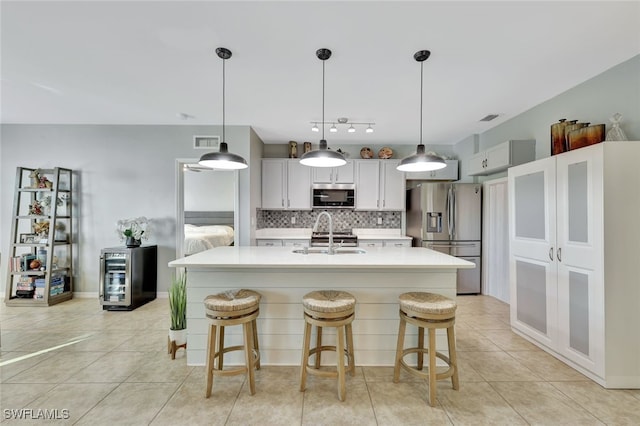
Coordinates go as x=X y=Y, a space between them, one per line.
x=178 y=309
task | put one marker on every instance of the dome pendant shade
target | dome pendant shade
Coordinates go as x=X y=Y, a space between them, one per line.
x=421 y=162
x=323 y=157
x=223 y=159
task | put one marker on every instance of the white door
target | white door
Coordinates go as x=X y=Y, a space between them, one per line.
x=322 y=174
x=495 y=259
x=368 y=185
x=393 y=189
x=298 y=186
x=273 y=184
x=532 y=237
x=579 y=254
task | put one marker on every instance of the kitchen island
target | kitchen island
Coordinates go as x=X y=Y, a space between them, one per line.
x=375 y=278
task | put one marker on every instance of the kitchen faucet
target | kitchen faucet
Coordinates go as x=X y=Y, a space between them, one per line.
x=331 y=250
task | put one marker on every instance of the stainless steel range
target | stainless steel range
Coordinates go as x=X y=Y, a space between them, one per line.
x=342 y=239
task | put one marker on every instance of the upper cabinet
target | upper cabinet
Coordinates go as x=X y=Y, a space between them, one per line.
x=286 y=184
x=379 y=185
x=342 y=174
x=448 y=173
x=502 y=156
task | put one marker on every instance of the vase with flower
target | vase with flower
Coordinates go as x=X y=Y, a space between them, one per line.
x=133 y=231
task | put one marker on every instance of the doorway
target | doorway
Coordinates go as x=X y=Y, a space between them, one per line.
x=496 y=239
x=204 y=197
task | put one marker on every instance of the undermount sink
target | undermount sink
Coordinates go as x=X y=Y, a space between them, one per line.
x=325 y=251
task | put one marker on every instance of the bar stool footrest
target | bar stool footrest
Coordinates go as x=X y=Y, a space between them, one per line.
x=425 y=374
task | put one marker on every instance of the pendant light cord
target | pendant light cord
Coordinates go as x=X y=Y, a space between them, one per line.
x=223 y=85
x=323 y=99
x=421 y=91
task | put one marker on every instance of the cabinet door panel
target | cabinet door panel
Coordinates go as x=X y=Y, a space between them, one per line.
x=498 y=157
x=298 y=186
x=273 y=184
x=344 y=174
x=393 y=193
x=533 y=270
x=476 y=164
x=322 y=174
x=367 y=185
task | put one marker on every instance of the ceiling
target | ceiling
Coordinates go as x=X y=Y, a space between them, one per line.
x=153 y=62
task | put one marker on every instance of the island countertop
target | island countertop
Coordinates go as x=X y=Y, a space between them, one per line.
x=278 y=257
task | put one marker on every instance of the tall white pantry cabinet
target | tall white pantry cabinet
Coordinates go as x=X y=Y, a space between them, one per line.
x=574 y=231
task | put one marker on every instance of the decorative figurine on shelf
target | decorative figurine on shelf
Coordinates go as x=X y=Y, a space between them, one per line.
x=132 y=231
x=38 y=180
x=616 y=133
x=41 y=228
x=36 y=208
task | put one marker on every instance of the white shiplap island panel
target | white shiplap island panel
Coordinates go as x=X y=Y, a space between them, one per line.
x=282 y=277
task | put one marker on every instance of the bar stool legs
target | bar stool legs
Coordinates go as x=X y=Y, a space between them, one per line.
x=328 y=309
x=432 y=312
x=239 y=307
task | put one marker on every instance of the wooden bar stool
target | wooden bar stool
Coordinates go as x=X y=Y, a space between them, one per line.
x=430 y=311
x=328 y=308
x=234 y=307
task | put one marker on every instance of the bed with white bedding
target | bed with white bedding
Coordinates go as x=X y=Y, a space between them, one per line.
x=206 y=230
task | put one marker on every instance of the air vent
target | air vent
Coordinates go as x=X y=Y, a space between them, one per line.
x=489 y=117
x=206 y=142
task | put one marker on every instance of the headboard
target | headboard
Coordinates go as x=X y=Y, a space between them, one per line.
x=208 y=218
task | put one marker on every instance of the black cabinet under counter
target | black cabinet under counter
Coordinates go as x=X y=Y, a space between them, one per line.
x=128 y=277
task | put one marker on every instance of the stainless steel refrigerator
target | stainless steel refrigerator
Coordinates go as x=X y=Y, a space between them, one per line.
x=447 y=217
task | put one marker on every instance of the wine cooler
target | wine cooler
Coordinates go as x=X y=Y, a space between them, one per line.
x=128 y=277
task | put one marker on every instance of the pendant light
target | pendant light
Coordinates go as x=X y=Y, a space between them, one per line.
x=421 y=161
x=223 y=159
x=323 y=157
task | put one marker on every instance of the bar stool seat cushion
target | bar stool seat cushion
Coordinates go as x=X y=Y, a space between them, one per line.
x=232 y=300
x=328 y=301
x=427 y=303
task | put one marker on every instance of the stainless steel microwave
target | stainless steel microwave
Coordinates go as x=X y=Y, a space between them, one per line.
x=333 y=196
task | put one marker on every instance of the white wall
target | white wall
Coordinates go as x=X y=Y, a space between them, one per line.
x=209 y=190
x=594 y=101
x=122 y=171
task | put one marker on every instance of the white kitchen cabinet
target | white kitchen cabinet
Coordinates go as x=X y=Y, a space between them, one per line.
x=286 y=184
x=342 y=174
x=502 y=156
x=297 y=243
x=379 y=185
x=269 y=242
x=384 y=243
x=449 y=173
x=566 y=212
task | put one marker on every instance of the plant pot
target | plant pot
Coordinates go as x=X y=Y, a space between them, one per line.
x=132 y=242
x=178 y=336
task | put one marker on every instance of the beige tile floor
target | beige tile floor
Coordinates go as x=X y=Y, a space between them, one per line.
x=108 y=368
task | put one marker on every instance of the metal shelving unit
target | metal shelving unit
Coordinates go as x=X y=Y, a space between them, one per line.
x=52 y=279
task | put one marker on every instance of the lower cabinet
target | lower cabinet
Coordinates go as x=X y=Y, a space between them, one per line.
x=573 y=231
x=275 y=242
x=384 y=243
